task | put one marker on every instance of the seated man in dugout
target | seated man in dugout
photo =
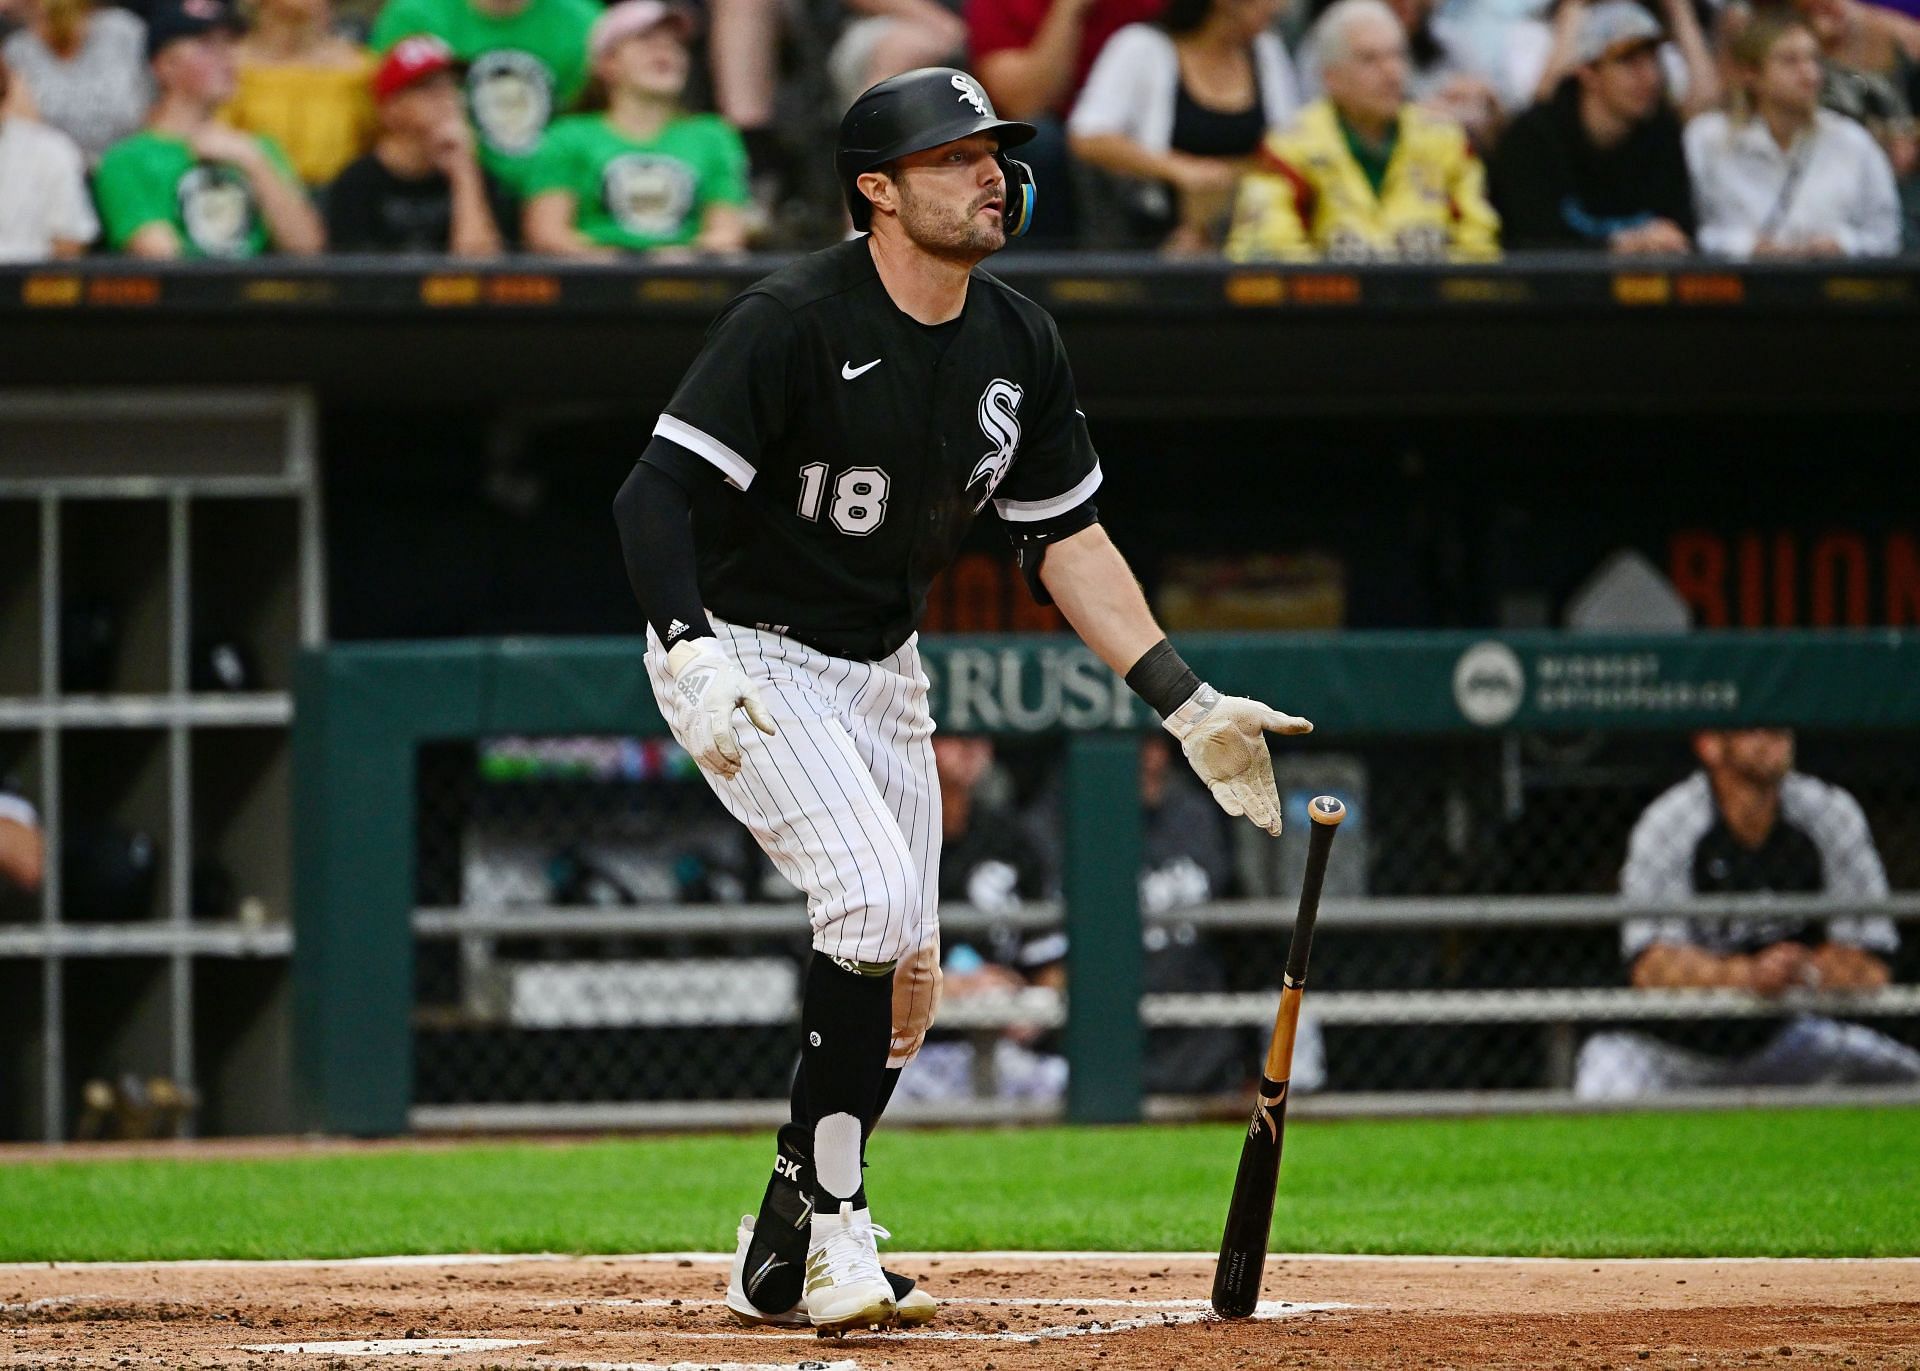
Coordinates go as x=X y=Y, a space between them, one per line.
x=1748 y=823
x=1363 y=174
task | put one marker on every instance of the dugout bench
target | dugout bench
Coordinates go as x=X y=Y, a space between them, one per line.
x=365 y=711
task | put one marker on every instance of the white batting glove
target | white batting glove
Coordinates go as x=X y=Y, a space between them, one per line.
x=1224 y=739
x=710 y=687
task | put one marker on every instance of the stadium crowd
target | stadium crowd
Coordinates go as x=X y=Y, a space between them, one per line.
x=1261 y=129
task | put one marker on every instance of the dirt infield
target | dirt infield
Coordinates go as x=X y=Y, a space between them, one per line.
x=1002 y=1313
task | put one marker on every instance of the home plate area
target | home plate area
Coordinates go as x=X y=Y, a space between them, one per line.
x=999 y=1312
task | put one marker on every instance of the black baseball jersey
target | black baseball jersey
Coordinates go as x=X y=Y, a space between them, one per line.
x=1682 y=848
x=858 y=445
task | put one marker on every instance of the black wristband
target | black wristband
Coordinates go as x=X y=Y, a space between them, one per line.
x=1162 y=679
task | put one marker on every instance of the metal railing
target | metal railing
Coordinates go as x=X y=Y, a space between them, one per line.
x=1559 y=1013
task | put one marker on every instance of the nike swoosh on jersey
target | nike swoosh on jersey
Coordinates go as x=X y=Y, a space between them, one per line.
x=848 y=370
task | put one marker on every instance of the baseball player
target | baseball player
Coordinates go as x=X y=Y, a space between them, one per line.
x=1748 y=822
x=847 y=420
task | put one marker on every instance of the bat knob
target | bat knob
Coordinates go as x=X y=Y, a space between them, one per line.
x=1325 y=809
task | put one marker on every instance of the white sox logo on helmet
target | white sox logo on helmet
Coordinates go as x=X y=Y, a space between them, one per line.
x=970 y=94
x=1000 y=421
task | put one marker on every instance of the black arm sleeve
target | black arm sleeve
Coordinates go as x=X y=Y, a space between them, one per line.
x=653 y=512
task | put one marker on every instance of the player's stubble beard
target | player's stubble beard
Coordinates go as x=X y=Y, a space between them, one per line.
x=938 y=231
x=1767 y=769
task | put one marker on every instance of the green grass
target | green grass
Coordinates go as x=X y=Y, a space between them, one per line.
x=1842 y=1182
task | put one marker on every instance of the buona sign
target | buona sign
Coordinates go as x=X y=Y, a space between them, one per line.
x=1837 y=578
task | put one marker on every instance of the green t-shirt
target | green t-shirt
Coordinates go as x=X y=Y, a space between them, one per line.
x=154 y=178
x=636 y=195
x=522 y=70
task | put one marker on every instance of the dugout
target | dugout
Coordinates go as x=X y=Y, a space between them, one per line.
x=1419 y=427
x=1456 y=448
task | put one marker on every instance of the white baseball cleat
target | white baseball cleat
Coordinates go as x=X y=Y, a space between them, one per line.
x=846 y=1288
x=739 y=1302
x=914 y=1305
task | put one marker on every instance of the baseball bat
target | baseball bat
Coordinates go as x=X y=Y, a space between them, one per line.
x=1243 y=1247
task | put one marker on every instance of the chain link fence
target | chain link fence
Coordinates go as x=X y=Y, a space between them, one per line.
x=1598 y=916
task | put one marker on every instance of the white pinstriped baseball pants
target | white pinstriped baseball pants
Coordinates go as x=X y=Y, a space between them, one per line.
x=844 y=800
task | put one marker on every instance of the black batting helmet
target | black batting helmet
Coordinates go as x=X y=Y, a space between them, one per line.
x=922 y=109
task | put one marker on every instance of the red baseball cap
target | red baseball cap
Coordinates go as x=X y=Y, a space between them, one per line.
x=411 y=60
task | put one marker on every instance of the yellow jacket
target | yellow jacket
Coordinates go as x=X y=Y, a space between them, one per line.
x=1307 y=197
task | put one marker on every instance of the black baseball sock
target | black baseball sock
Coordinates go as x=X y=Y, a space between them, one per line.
x=846 y=1019
x=776 y=1257
x=796 y=1135
x=887 y=1082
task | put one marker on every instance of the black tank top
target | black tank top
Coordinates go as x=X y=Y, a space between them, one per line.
x=1203 y=132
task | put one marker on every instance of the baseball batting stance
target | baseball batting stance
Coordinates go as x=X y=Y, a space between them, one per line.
x=848 y=418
